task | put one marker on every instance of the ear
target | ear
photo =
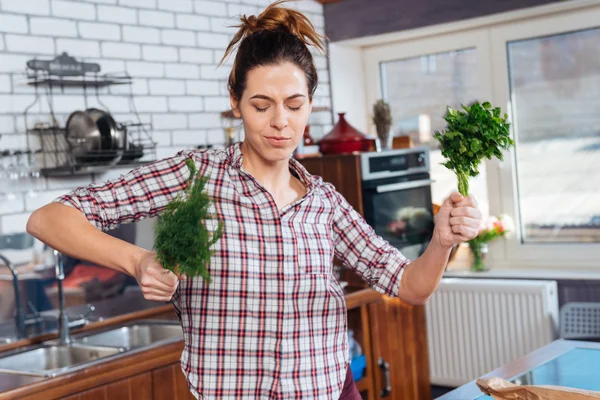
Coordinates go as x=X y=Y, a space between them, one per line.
x=235 y=106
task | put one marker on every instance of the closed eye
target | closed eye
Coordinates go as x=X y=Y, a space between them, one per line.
x=262 y=110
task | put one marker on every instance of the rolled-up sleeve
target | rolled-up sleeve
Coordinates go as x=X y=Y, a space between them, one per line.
x=362 y=250
x=141 y=193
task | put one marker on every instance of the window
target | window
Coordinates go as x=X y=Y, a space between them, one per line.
x=541 y=66
x=419 y=89
x=555 y=95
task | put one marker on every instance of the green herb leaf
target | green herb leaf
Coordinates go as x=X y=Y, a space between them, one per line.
x=475 y=132
x=182 y=241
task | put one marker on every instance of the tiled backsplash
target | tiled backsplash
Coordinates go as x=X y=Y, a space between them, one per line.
x=171 y=48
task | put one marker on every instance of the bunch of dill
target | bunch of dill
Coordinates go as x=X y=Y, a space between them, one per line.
x=182 y=241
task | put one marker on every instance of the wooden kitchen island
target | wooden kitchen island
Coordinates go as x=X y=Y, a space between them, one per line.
x=561 y=363
x=386 y=329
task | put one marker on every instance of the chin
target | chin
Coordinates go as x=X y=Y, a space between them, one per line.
x=274 y=154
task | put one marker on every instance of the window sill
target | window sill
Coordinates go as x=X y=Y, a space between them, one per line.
x=459 y=268
x=525 y=274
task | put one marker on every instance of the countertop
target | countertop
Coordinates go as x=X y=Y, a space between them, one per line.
x=520 y=366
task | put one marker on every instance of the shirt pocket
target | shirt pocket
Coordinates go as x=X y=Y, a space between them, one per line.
x=314 y=248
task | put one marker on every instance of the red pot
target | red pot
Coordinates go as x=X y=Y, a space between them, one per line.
x=343 y=138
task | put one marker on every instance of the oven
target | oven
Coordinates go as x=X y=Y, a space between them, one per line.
x=396 y=189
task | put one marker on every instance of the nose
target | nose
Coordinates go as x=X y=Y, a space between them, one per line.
x=280 y=118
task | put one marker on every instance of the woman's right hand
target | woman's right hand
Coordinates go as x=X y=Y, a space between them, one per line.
x=157 y=283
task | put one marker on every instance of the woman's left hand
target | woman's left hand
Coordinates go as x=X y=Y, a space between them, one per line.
x=457 y=221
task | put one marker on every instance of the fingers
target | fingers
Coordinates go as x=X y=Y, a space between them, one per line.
x=456 y=197
x=155 y=295
x=467 y=221
x=467 y=232
x=468 y=201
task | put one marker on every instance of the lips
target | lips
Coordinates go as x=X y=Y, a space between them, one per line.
x=281 y=138
x=277 y=141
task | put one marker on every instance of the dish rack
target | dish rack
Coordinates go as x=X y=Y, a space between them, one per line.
x=50 y=150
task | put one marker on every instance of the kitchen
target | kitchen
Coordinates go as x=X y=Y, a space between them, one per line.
x=152 y=65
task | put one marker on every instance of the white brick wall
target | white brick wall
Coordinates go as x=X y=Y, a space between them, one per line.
x=199 y=56
x=187 y=71
x=141 y=35
x=13 y=23
x=145 y=69
x=52 y=26
x=78 y=48
x=73 y=9
x=156 y=18
x=160 y=53
x=117 y=15
x=194 y=22
x=213 y=40
x=126 y=51
x=171 y=49
x=29 y=44
x=167 y=87
x=95 y=30
x=178 y=37
x=208 y=7
x=186 y=6
x=30 y=7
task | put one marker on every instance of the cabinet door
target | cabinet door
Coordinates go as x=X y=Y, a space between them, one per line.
x=138 y=387
x=399 y=339
x=169 y=383
x=343 y=171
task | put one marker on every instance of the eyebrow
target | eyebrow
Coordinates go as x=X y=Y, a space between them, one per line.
x=262 y=96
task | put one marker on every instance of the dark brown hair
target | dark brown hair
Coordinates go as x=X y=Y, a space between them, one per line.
x=277 y=35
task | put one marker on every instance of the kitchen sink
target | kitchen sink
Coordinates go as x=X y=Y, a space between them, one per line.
x=134 y=336
x=51 y=360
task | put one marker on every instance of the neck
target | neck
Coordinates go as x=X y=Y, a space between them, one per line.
x=270 y=174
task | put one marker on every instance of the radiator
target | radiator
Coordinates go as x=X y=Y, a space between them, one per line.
x=477 y=325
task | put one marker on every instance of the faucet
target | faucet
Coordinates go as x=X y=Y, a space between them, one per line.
x=64 y=324
x=19 y=315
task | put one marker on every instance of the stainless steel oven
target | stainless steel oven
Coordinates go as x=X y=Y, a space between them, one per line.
x=396 y=189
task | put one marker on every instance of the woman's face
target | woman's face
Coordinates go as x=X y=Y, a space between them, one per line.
x=274 y=108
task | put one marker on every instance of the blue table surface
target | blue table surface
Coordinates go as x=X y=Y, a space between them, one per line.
x=577 y=368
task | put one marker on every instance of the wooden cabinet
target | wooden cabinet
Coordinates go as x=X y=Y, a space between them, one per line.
x=399 y=348
x=168 y=383
x=164 y=383
x=343 y=171
x=137 y=387
x=390 y=331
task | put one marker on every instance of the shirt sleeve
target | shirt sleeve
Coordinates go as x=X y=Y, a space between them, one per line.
x=141 y=193
x=363 y=251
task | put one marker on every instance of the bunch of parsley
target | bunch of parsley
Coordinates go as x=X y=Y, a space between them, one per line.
x=182 y=241
x=476 y=132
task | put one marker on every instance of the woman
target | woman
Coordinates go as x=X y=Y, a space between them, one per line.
x=272 y=323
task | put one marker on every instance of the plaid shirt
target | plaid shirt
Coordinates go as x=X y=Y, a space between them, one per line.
x=272 y=323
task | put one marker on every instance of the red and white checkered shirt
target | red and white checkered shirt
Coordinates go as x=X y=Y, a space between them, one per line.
x=272 y=323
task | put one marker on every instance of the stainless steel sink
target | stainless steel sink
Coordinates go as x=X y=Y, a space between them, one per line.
x=51 y=360
x=134 y=336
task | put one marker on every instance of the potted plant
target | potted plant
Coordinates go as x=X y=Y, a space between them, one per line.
x=476 y=132
x=492 y=228
x=382 y=118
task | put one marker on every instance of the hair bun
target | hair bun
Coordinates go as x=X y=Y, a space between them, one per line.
x=250 y=23
x=276 y=18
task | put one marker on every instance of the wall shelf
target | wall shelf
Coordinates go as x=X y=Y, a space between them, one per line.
x=96 y=81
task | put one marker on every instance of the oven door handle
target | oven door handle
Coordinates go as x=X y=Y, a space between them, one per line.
x=403 y=185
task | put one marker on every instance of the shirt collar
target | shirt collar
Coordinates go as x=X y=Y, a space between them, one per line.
x=235 y=156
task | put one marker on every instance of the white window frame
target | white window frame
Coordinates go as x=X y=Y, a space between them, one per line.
x=489 y=36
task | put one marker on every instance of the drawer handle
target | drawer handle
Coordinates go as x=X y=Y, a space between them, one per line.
x=385 y=368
